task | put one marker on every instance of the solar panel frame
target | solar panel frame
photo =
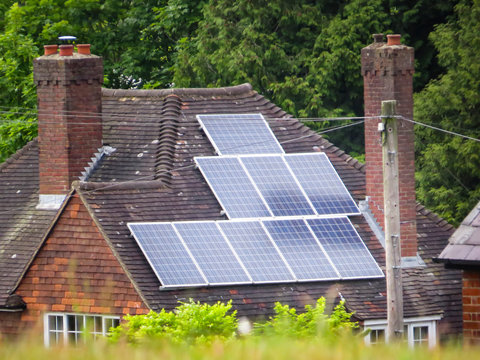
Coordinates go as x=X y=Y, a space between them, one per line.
x=351 y=260
x=282 y=197
x=232 y=209
x=200 y=253
x=216 y=139
x=160 y=273
x=311 y=182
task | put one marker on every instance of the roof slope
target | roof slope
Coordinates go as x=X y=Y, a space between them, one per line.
x=22 y=227
x=151 y=177
x=464 y=245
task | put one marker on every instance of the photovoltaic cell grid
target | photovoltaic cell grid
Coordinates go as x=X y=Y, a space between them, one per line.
x=167 y=255
x=343 y=245
x=301 y=249
x=276 y=185
x=321 y=183
x=256 y=251
x=240 y=134
x=233 y=188
x=239 y=252
x=212 y=253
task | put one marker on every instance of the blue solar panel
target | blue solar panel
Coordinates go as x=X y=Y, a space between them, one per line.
x=256 y=251
x=240 y=134
x=232 y=187
x=277 y=185
x=345 y=248
x=300 y=249
x=166 y=254
x=212 y=253
x=322 y=184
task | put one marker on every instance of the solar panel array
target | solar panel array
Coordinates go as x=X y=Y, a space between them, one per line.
x=203 y=253
x=240 y=134
x=277 y=201
x=251 y=186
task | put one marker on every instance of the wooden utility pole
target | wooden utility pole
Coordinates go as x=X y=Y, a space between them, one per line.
x=392 y=222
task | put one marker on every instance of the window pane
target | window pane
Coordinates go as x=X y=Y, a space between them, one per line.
x=377 y=336
x=98 y=324
x=420 y=335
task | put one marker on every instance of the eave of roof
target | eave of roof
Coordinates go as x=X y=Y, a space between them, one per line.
x=463 y=249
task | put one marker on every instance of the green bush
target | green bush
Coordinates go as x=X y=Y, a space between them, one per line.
x=190 y=322
x=312 y=323
x=195 y=323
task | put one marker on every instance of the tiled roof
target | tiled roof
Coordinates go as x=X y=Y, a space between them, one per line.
x=177 y=191
x=22 y=227
x=464 y=245
x=151 y=177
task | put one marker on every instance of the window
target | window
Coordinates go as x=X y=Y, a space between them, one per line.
x=70 y=328
x=417 y=331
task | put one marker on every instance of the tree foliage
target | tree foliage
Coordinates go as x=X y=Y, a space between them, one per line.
x=448 y=173
x=304 y=55
x=191 y=322
x=313 y=322
x=197 y=323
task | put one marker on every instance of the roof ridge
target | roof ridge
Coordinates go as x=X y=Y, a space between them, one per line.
x=228 y=90
x=167 y=138
x=118 y=185
x=18 y=154
x=437 y=219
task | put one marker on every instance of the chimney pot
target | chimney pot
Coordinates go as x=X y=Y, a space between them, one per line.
x=50 y=49
x=83 y=49
x=66 y=50
x=393 y=39
x=378 y=38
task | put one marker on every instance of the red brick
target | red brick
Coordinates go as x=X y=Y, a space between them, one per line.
x=389 y=77
x=89 y=279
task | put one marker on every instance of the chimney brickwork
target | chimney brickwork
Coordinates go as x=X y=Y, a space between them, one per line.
x=388 y=73
x=69 y=117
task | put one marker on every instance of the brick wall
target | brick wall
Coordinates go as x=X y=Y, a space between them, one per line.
x=9 y=322
x=76 y=271
x=388 y=73
x=69 y=117
x=471 y=306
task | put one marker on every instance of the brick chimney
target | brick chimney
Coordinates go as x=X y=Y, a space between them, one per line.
x=387 y=70
x=69 y=117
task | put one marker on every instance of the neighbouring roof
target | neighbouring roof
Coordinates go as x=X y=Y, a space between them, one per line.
x=463 y=248
x=151 y=177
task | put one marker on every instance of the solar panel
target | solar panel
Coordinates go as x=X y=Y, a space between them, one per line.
x=166 y=254
x=321 y=183
x=345 y=247
x=257 y=252
x=232 y=187
x=212 y=253
x=300 y=249
x=277 y=185
x=240 y=134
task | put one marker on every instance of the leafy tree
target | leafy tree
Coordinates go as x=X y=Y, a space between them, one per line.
x=312 y=323
x=191 y=322
x=448 y=167
x=17 y=91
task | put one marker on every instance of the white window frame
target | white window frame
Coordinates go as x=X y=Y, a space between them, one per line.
x=429 y=322
x=64 y=333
